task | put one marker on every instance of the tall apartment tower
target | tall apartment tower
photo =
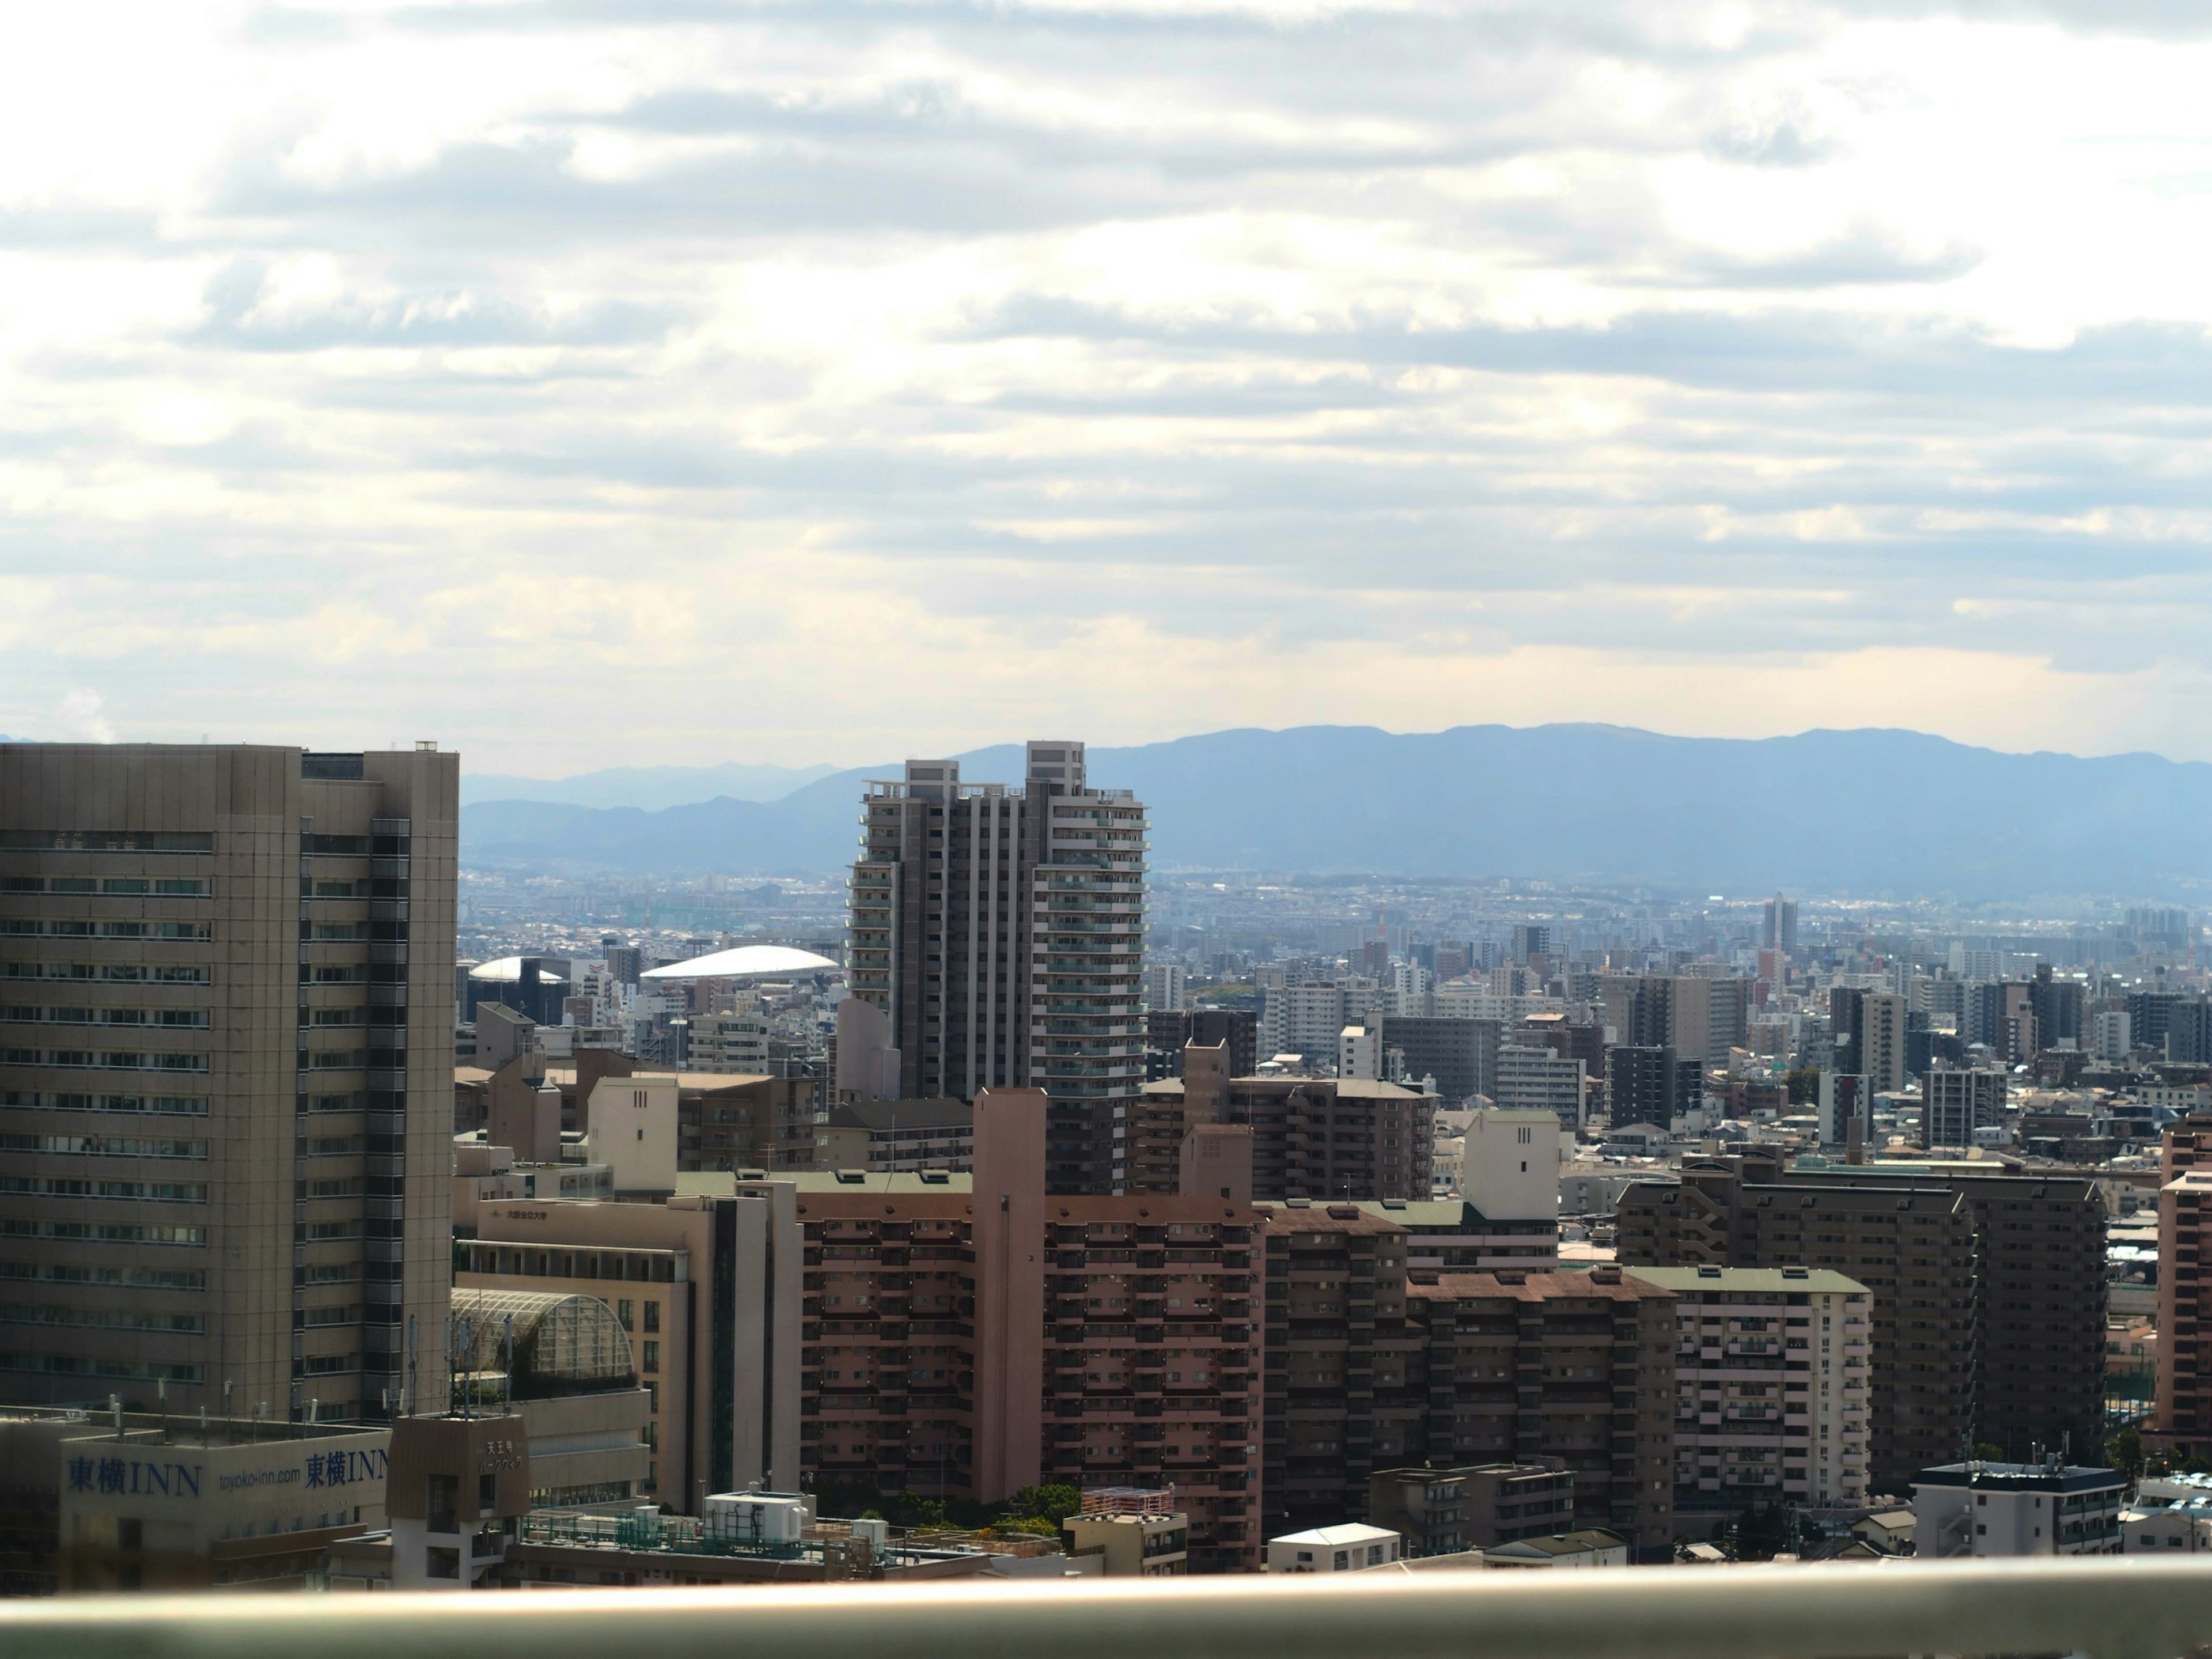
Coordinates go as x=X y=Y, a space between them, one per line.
x=225 y=1029
x=1779 y=925
x=1002 y=932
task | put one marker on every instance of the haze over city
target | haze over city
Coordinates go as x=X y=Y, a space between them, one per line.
x=819 y=818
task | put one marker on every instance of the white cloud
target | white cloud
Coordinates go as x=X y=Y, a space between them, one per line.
x=795 y=383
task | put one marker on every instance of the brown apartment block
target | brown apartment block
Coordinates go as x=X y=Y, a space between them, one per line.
x=1576 y=1367
x=2183 y=1418
x=1368 y=1372
x=967 y=1335
x=225 y=1087
x=1988 y=1291
x=1348 y=1139
x=725 y=1120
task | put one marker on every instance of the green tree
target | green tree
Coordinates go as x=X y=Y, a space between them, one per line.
x=1803 y=1082
x=1053 y=1503
x=2124 y=1452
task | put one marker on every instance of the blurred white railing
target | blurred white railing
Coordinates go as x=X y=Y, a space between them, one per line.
x=2109 y=1608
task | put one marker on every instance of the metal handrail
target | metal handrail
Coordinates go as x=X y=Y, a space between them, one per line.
x=2109 y=1608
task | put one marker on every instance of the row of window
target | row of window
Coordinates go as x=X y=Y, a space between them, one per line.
x=104 y=1145
x=189 y=1019
x=129 y=1370
x=165 y=1105
x=132 y=1279
x=102 y=1319
x=86 y=1058
x=105 y=1232
x=110 y=886
x=113 y=973
x=29 y=928
x=141 y=1192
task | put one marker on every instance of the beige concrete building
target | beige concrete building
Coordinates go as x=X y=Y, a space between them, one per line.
x=226 y=1029
x=708 y=1287
x=158 y=1502
x=1771 y=1387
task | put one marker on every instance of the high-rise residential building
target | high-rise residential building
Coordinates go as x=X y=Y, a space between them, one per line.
x=1712 y=1014
x=1651 y=1086
x=226 y=1075
x=1460 y=1053
x=1529 y=941
x=2110 y=1036
x=1002 y=931
x=1954 y=1103
x=1577 y=1367
x=1845 y=1103
x=1772 y=1379
x=1163 y=991
x=2182 y=1419
x=1169 y=1032
x=1779 y=926
x=1535 y=1078
x=1882 y=1016
x=1989 y=1310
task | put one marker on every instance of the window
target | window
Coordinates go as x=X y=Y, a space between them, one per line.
x=652 y=1316
x=651 y=1362
x=626 y=1311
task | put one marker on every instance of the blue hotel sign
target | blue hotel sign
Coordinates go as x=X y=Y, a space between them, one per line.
x=133 y=1477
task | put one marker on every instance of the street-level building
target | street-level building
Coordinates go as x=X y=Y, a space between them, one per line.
x=161 y=1503
x=1353 y=1547
x=2050 y=1508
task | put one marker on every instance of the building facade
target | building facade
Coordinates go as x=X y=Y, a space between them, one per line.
x=1772 y=1379
x=225 y=1040
x=1002 y=932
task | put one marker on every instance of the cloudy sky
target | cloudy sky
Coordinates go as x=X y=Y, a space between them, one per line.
x=686 y=380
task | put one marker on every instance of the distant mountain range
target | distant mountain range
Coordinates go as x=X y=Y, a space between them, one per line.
x=651 y=788
x=1865 y=813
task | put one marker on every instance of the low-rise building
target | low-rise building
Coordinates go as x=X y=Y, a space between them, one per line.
x=1591 y=1548
x=2050 y=1508
x=1137 y=1532
x=1352 y=1547
x=1449 y=1511
x=901 y=1136
x=2182 y=1527
x=141 y=1501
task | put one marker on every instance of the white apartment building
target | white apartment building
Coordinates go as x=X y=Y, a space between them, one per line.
x=1772 y=1368
x=1164 y=987
x=1533 y=1079
x=729 y=1042
x=2016 y=1509
x=2111 y=1034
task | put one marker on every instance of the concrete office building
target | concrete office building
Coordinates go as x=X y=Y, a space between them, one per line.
x=1164 y=987
x=1777 y=928
x=707 y=1287
x=1954 y=1103
x=1772 y=1374
x=158 y=1502
x=1002 y=932
x=226 y=1042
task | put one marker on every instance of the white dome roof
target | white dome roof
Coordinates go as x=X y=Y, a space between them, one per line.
x=746 y=962
x=509 y=969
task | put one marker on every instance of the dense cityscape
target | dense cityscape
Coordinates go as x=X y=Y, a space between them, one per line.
x=1006 y=1208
